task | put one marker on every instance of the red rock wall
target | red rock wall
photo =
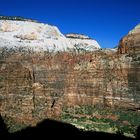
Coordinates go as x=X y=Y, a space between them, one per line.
x=130 y=44
x=36 y=86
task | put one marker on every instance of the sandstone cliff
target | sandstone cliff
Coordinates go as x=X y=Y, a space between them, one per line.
x=32 y=36
x=29 y=35
x=37 y=84
x=130 y=43
x=82 y=42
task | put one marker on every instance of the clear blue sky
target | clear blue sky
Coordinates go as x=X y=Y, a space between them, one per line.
x=104 y=20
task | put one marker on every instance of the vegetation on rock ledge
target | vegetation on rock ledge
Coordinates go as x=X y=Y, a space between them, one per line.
x=102 y=119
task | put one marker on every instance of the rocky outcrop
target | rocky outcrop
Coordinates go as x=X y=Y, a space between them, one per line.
x=35 y=36
x=17 y=18
x=32 y=36
x=129 y=47
x=82 y=42
x=37 y=84
x=130 y=43
x=78 y=36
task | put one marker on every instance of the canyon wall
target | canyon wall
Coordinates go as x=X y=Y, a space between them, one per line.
x=37 y=84
x=130 y=43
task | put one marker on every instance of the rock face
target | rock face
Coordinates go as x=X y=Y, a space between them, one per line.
x=78 y=36
x=131 y=42
x=32 y=35
x=39 y=37
x=37 y=84
x=82 y=42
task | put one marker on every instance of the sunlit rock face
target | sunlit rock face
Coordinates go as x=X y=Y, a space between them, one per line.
x=40 y=37
x=129 y=48
x=36 y=84
x=131 y=42
x=83 y=42
x=32 y=35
